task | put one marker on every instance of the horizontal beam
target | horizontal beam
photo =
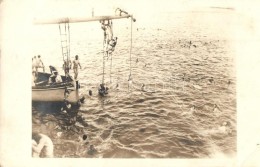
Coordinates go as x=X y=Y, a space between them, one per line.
x=78 y=20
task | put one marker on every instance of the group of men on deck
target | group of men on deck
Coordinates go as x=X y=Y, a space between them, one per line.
x=55 y=77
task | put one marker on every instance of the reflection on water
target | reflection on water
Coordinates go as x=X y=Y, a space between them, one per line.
x=181 y=102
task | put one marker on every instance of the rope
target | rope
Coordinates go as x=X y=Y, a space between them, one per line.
x=131 y=42
x=69 y=43
x=110 y=66
x=61 y=43
x=103 y=76
x=131 y=46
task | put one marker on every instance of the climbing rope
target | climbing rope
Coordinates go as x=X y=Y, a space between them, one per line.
x=130 y=56
x=103 y=77
x=68 y=57
x=131 y=42
x=110 y=66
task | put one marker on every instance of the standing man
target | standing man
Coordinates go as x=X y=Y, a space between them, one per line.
x=76 y=64
x=39 y=63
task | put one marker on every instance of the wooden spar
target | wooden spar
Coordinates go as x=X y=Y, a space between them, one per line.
x=78 y=20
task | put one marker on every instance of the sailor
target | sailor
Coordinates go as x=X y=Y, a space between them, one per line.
x=67 y=66
x=109 y=41
x=52 y=68
x=42 y=146
x=58 y=78
x=76 y=64
x=34 y=63
x=121 y=11
x=112 y=44
x=39 y=63
x=55 y=78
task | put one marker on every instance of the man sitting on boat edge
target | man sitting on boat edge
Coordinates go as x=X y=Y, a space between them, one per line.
x=55 y=78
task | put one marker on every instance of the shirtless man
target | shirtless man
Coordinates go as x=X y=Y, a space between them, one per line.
x=39 y=63
x=75 y=66
x=42 y=146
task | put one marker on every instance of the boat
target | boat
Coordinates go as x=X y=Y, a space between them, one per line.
x=42 y=91
x=68 y=89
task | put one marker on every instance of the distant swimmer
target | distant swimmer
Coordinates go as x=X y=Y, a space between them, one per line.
x=192 y=109
x=197 y=87
x=216 y=108
x=229 y=82
x=42 y=146
x=137 y=60
x=90 y=92
x=225 y=128
x=145 y=90
x=116 y=86
x=142 y=87
x=211 y=80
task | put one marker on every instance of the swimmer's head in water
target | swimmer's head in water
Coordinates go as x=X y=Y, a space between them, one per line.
x=226 y=123
x=84 y=137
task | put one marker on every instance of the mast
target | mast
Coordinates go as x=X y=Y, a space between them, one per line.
x=79 y=19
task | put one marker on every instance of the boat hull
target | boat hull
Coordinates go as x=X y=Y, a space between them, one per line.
x=54 y=95
x=42 y=91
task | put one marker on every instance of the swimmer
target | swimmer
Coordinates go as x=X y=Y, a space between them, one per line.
x=102 y=90
x=142 y=87
x=211 y=80
x=116 y=85
x=216 y=108
x=145 y=90
x=42 y=146
x=225 y=127
x=91 y=150
x=90 y=92
x=192 y=109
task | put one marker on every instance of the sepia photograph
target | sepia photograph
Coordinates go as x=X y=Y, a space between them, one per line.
x=117 y=83
x=126 y=80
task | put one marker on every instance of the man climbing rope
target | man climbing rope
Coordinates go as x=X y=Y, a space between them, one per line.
x=109 y=41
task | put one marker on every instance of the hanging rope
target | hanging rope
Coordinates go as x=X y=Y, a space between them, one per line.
x=61 y=42
x=68 y=45
x=130 y=67
x=131 y=46
x=111 y=53
x=110 y=66
x=103 y=77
